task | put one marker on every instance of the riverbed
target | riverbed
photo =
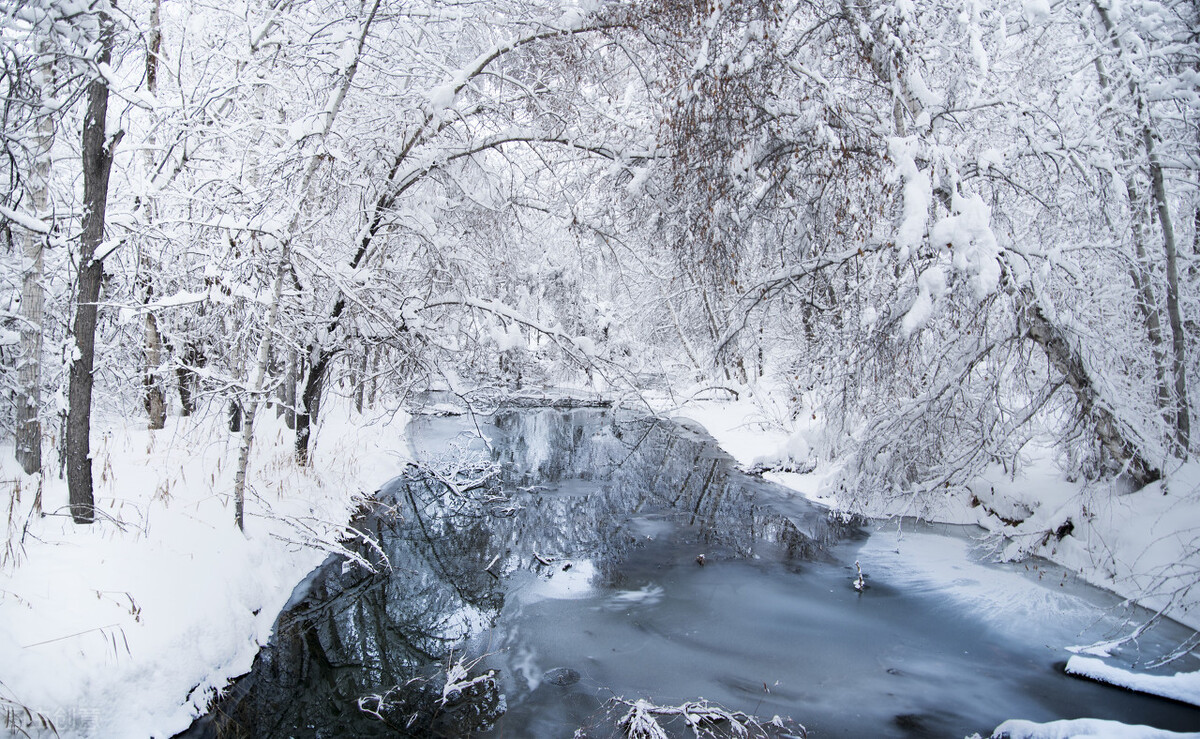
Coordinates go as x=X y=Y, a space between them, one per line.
x=563 y=564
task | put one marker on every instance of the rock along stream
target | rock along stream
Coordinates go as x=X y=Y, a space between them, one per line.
x=578 y=556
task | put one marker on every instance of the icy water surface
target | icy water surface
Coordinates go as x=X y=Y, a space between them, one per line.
x=610 y=556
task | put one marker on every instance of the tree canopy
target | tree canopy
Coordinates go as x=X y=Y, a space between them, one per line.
x=945 y=229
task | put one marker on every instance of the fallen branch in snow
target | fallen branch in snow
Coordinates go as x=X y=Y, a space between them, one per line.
x=641 y=721
x=78 y=633
x=331 y=548
x=452 y=479
x=371 y=543
x=469 y=704
x=327 y=536
x=65 y=511
x=459 y=681
x=1179 y=652
x=1105 y=648
x=708 y=388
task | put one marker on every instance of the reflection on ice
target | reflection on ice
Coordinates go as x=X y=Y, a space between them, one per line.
x=646 y=595
x=572 y=580
x=525 y=666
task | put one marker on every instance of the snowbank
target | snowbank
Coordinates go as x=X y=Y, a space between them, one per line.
x=758 y=433
x=1182 y=686
x=1143 y=545
x=1082 y=728
x=125 y=628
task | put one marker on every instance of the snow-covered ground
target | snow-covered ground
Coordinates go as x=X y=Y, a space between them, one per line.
x=124 y=628
x=1082 y=728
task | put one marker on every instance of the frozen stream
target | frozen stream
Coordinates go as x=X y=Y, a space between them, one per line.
x=574 y=575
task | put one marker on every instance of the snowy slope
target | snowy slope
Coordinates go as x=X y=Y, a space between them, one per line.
x=125 y=628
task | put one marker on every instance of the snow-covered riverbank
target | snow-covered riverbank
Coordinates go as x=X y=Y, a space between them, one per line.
x=124 y=628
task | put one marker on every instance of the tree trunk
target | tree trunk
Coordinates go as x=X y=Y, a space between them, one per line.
x=29 y=427
x=374 y=375
x=235 y=416
x=281 y=393
x=1174 y=314
x=1140 y=271
x=1158 y=190
x=289 y=388
x=281 y=269
x=189 y=383
x=309 y=407
x=1064 y=358
x=1193 y=267
x=155 y=398
x=187 y=400
x=28 y=442
x=886 y=59
x=1148 y=306
x=360 y=385
x=97 y=162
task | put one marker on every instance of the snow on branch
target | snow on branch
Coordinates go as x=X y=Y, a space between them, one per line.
x=580 y=349
x=510 y=136
x=573 y=346
x=917 y=195
x=25 y=220
x=773 y=284
x=572 y=22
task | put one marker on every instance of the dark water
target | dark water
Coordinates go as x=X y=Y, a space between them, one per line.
x=573 y=576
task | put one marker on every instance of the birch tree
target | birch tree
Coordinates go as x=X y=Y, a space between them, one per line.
x=1145 y=119
x=355 y=45
x=35 y=237
x=155 y=396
